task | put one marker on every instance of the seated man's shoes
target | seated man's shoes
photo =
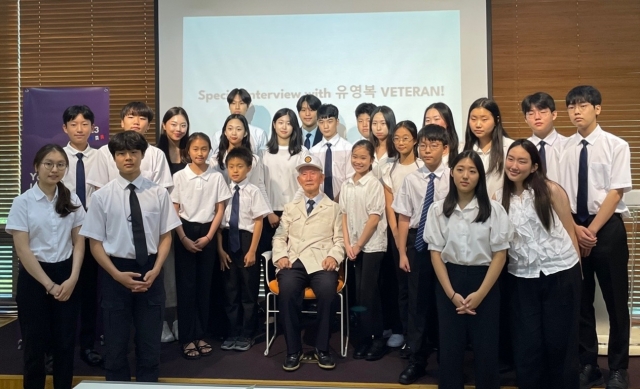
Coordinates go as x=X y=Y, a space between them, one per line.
x=292 y=361
x=377 y=350
x=618 y=379
x=325 y=359
x=361 y=351
x=411 y=374
x=90 y=357
x=590 y=376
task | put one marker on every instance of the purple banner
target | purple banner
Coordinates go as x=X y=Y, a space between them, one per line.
x=42 y=121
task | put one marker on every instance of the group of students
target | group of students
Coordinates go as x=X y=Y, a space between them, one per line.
x=454 y=233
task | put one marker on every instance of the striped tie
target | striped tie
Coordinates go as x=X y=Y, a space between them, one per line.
x=428 y=200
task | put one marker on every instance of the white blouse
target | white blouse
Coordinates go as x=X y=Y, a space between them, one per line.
x=378 y=163
x=281 y=177
x=393 y=172
x=534 y=249
x=460 y=240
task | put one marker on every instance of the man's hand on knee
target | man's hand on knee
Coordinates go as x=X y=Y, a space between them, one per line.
x=329 y=264
x=283 y=263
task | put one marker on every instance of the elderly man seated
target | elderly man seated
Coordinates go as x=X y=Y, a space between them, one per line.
x=307 y=249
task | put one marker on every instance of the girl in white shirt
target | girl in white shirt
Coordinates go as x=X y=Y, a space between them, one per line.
x=468 y=236
x=544 y=271
x=199 y=194
x=45 y=221
x=440 y=114
x=486 y=136
x=365 y=238
x=381 y=122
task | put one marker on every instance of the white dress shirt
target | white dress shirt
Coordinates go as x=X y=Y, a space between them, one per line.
x=281 y=177
x=89 y=158
x=358 y=201
x=460 y=240
x=49 y=234
x=341 y=157
x=495 y=178
x=251 y=202
x=554 y=143
x=257 y=138
x=394 y=173
x=609 y=161
x=198 y=194
x=378 y=165
x=109 y=218
x=534 y=249
x=408 y=201
x=153 y=167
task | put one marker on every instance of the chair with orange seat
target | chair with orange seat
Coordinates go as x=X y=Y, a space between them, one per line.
x=271 y=299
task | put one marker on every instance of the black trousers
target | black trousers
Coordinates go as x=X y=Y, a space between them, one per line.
x=393 y=282
x=194 y=272
x=544 y=322
x=608 y=261
x=368 y=293
x=482 y=329
x=422 y=311
x=242 y=285
x=292 y=283
x=120 y=309
x=88 y=288
x=47 y=325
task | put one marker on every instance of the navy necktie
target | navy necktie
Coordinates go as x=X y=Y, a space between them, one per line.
x=234 y=220
x=307 y=142
x=543 y=156
x=582 y=208
x=428 y=200
x=310 y=207
x=137 y=227
x=328 y=172
x=81 y=189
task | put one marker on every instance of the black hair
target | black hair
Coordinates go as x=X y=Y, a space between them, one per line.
x=137 y=108
x=295 y=140
x=73 y=111
x=365 y=108
x=127 y=140
x=244 y=95
x=584 y=94
x=313 y=102
x=536 y=181
x=434 y=133
x=538 y=100
x=496 y=155
x=242 y=153
x=413 y=130
x=223 y=145
x=368 y=146
x=390 y=120
x=480 y=191
x=63 y=206
x=163 y=142
x=326 y=111
x=193 y=137
x=447 y=116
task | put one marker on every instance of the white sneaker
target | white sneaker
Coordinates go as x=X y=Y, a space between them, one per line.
x=387 y=333
x=174 y=329
x=167 y=336
x=395 y=340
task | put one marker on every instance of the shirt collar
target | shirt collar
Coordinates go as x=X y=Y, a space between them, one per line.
x=191 y=174
x=242 y=184
x=316 y=199
x=438 y=172
x=334 y=141
x=123 y=182
x=39 y=194
x=591 y=139
x=312 y=133
x=550 y=139
x=362 y=181
x=472 y=204
x=85 y=152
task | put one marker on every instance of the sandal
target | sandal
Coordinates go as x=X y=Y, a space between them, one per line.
x=204 y=348
x=192 y=352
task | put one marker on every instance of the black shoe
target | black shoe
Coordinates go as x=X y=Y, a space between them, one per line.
x=411 y=374
x=377 y=350
x=325 y=359
x=405 y=351
x=618 y=379
x=292 y=361
x=91 y=357
x=361 y=351
x=590 y=376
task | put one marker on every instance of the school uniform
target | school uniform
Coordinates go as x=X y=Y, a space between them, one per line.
x=242 y=283
x=545 y=278
x=337 y=152
x=409 y=201
x=311 y=138
x=153 y=167
x=360 y=200
x=377 y=167
x=552 y=146
x=88 y=278
x=607 y=168
x=467 y=250
x=47 y=325
x=257 y=138
x=197 y=196
x=495 y=178
x=109 y=221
